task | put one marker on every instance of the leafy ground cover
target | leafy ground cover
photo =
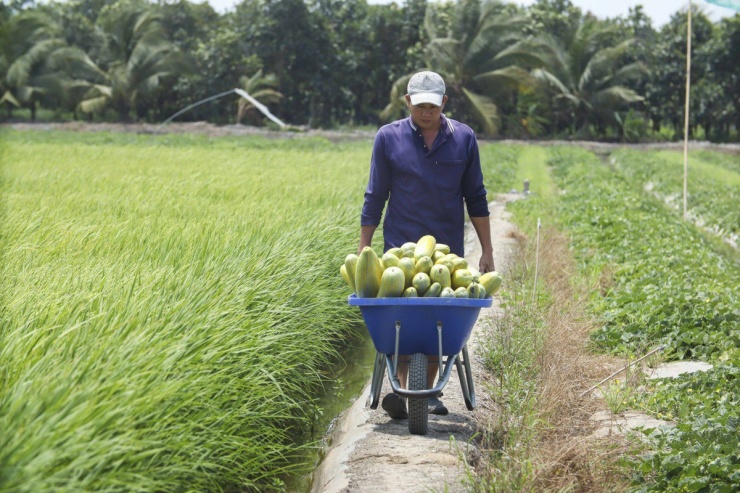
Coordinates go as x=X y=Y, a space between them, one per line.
x=169 y=306
x=713 y=185
x=663 y=284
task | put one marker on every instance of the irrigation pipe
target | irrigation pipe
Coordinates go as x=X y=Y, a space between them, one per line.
x=196 y=104
x=259 y=106
x=240 y=92
x=621 y=370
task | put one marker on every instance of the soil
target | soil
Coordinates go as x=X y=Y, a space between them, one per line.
x=370 y=452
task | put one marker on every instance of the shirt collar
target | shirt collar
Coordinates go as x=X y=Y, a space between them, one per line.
x=446 y=123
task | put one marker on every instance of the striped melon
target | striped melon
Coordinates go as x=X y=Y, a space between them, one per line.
x=367 y=274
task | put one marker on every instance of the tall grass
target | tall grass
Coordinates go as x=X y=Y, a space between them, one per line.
x=510 y=346
x=536 y=349
x=168 y=307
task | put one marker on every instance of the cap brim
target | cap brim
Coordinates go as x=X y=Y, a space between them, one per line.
x=426 y=97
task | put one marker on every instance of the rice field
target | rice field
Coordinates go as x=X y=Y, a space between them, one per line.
x=169 y=307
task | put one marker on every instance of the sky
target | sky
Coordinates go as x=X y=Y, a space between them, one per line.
x=659 y=11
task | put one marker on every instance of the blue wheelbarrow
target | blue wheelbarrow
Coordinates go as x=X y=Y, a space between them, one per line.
x=420 y=327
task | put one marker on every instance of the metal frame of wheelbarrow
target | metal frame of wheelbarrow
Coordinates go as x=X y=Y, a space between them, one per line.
x=415 y=320
x=388 y=362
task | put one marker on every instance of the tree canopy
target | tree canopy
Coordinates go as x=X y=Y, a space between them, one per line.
x=546 y=70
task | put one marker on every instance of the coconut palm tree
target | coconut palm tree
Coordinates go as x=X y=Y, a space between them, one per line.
x=260 y=87
x=141 y=58
x=483 y=58
x=28 y=55
x=586 y=80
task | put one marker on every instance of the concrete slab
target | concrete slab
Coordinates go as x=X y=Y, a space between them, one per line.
x=611 y=424
x=676 y=368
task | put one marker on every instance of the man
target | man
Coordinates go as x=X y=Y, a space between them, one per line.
x=427 y=168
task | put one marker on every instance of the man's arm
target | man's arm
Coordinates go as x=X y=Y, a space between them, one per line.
x=482 y=227
x=366 y=237
x=376 y=193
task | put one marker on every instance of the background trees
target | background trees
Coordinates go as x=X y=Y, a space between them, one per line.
x=481 y=51
x=138 y=59
x=31 y=50
x=588 y=80
x=546 y=70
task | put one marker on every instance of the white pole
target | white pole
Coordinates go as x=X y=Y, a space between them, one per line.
x=686 y=113
x=536 y=261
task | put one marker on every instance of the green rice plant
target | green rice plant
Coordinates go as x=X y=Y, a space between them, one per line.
x=169 y=307
x=499 y=164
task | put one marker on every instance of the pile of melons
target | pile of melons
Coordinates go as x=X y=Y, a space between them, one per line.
x=422 y=269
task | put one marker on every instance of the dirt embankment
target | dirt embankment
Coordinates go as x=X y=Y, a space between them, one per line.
x=370 y=452
x=209 y=129
x=198 y=128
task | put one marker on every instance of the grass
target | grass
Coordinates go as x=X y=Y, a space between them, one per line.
x=170 y=306
x=539 y=355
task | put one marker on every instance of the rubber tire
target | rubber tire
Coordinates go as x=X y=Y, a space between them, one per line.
x=418 y=406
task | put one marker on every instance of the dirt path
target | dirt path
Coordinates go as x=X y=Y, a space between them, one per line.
x=372 y=453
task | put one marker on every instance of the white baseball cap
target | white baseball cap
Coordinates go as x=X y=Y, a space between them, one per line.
x=426 y=87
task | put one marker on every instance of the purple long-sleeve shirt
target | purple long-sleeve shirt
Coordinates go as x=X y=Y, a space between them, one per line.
x=426 y=190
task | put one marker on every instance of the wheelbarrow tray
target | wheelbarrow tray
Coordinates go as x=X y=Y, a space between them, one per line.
x=418 y=319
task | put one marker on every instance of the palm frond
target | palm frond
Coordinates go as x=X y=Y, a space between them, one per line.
x=23 y=68
x=9 y=98
x=483 y=109
x=446 y=53
x=616 y=95
x=505 y=79
x=100 y=90
x=551 y=80
x=524 y=53
x=629 y=72
x=76 y=62
x=94 y=105
x=268 y=95
x=397 y=102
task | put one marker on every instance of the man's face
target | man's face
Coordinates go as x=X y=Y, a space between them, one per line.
x=425 y=115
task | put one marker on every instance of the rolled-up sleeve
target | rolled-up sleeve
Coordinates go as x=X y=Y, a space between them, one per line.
x=378 y=186
x=474 y=191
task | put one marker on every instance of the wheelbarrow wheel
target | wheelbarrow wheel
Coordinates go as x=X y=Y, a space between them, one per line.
x=418 y=406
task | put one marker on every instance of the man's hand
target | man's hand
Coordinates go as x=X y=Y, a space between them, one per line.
x=366 y=237
x=486 y=263
x=483 y=229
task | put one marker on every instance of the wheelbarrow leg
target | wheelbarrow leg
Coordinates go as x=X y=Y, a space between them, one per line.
x=376 y=383
x=466 y=378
